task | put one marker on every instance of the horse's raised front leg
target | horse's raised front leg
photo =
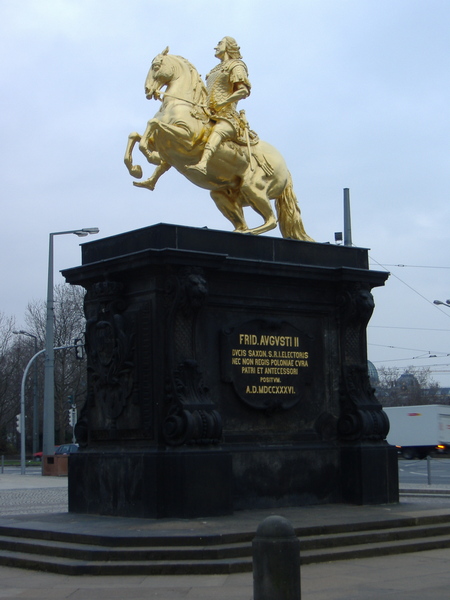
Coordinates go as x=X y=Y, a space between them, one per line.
x=152 y=157
x=133 y=170
x=144 y=143
x=151 y=181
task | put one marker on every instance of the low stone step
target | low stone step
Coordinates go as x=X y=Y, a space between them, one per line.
x=66 y=553
x=205 y=551
x=374 y=549
x=67 y=566
x=118 y=553
x=72 y=566
x=373 y=536
x=377 y=525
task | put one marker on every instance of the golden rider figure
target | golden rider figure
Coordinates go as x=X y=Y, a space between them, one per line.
x=227 y=83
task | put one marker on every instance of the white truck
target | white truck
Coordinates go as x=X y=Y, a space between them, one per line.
x=418 y=430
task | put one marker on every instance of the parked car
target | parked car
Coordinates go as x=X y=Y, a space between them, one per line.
x=67 y=449
x=38 y=455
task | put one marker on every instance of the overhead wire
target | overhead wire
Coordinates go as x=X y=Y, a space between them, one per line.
x=428 y=353
x=414 y=266
x=410 y=286
x=407 y=328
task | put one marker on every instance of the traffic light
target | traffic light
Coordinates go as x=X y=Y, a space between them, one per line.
x=18 y=427
x=72 y=417
x=79 y=348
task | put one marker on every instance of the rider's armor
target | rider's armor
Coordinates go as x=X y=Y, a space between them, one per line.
x=220 y=83
x=228 y=124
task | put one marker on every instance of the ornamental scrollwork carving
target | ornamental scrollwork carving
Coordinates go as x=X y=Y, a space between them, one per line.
x=362 y=416
x=191 y=416
x=109 y=345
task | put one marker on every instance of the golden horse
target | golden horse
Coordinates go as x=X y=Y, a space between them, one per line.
x=237 y=176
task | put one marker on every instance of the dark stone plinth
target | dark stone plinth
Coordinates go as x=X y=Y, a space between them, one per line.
x=226 y=371
x=295 y=475
x=151 y=484
x=369 y=474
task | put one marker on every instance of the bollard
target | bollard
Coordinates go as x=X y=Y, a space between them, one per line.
x=276 y=561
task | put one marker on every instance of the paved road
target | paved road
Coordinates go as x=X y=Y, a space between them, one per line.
x=435 y=470
x=17 y=470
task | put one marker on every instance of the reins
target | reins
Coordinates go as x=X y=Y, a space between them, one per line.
x=164 y=94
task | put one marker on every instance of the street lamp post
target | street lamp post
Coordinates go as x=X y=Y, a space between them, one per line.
x=35 y=400
x=22 y=412
x=48 y=445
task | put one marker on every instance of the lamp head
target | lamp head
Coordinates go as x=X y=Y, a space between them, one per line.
x=86 y=231
x=446 y=303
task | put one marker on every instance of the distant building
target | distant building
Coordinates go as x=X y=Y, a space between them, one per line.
x=406 y=390
x=373 y=374
x=407 y=383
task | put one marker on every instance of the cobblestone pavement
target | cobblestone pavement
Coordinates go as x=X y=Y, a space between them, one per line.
x=33 y=501
x=32 y=494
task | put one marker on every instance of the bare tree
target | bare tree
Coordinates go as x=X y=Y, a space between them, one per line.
x=70 y=373
x=408 y=387
x=9 y=399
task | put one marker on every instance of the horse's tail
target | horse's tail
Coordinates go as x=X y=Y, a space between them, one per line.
x=289 y=216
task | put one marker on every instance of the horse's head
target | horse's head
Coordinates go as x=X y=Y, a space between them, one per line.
x=177 y=73
x=160 y=74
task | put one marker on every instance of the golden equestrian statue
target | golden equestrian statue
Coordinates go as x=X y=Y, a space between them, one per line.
x=198 y=131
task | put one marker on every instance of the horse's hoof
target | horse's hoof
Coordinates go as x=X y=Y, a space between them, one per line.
x=145 y=184
x=136 y=171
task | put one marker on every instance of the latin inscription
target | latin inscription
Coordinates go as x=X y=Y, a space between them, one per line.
x=267 y=362
x=274 y=368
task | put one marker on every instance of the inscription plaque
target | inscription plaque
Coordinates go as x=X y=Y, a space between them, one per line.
x=268 y=363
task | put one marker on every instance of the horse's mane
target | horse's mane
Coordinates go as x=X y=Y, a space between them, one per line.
x=197 y=85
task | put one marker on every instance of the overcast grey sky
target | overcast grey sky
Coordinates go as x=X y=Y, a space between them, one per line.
x=354 y=93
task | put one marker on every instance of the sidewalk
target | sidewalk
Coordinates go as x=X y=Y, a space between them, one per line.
x=420 y=576
x=423 y=575
x=28 y=482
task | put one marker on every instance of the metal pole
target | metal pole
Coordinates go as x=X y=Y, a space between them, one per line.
x=74 y=422
x=22 y=405
x=22 y=413
x=35 y=404
x=347 y=219
x=429 y=470
x=48 y=443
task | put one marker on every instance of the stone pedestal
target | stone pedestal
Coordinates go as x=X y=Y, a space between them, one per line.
x=226 y=372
